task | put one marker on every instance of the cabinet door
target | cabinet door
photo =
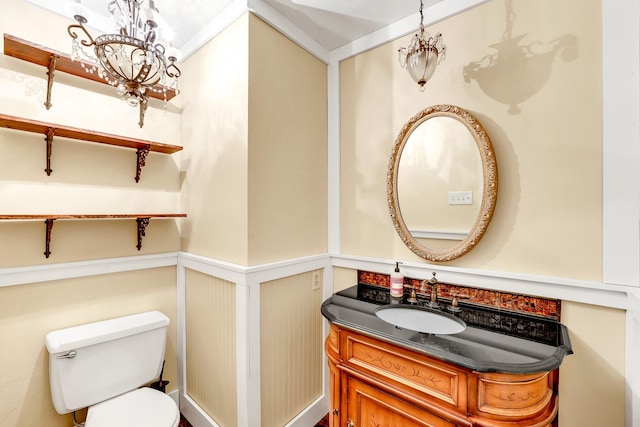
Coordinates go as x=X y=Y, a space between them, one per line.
x=334 y=385
x=368 y=406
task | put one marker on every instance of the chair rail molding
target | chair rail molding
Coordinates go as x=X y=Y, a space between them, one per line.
x=15 y=276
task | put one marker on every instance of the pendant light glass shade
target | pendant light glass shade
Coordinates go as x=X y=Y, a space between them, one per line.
x=422 y=55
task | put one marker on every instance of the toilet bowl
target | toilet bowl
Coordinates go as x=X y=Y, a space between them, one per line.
x=144 y=407
x=103 y=366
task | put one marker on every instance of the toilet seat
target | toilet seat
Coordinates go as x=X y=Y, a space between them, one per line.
x=143 y=407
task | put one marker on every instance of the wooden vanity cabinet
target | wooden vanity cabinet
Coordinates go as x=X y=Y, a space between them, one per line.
x=370 y=406
x=377 y=384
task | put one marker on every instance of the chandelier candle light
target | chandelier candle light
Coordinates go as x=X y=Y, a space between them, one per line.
x=423 y=54
x=134 y=58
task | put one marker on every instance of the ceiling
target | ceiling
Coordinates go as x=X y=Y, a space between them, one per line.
x=330 y=23
x=333 y=23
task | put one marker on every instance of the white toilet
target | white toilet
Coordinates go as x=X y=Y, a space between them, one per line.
x=102 y=366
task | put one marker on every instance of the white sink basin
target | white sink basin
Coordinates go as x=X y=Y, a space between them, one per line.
x=420 y=319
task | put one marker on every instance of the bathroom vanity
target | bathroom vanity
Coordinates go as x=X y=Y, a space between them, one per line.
x=502 y=370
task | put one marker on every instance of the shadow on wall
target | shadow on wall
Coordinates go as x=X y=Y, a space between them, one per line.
x=509 y=192
x=516 y=71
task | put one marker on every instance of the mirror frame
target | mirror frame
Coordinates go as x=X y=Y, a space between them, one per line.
x=489 y=174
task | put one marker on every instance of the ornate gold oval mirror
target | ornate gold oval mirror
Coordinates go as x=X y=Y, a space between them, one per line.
x=442 y=183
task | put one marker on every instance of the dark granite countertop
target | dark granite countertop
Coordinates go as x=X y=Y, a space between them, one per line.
x=494 y=340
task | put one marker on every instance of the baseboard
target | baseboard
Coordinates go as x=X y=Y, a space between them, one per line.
x=192 y=412
x=175 y=395
x=311 y=414
x=198 y=418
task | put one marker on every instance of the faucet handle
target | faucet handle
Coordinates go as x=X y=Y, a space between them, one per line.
x=413 y=298
x=454 y=303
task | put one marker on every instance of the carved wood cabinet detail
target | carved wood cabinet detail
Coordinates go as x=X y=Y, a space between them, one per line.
x=375 y=383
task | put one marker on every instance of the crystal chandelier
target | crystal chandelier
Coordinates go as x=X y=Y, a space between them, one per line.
x=134 y=58
x=423 y=54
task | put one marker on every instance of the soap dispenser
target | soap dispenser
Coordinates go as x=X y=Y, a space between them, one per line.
x=397 y=282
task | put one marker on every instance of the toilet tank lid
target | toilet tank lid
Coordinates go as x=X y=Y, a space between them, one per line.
x=92 y=333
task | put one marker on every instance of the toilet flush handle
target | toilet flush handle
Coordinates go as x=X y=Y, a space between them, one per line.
x=69 y=355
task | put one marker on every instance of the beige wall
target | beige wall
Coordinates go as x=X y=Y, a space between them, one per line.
x=87 y=179
x=29 y=312
x=255 y=162
x=23 y=242
x=343 y=278
x=255 y=186
x=287 y=148
x=252 y=176
x=214 y=163
x=548 y=218
x=543 y=116
x=592 y=381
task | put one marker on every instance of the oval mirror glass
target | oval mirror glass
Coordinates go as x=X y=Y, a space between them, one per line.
x=442 y=182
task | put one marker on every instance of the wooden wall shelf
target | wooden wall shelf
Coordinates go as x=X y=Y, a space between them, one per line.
x=49 y=130
x=142 y=220
x=54 y=60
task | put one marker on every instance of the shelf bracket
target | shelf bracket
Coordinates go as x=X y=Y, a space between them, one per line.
x=49 y=225
x=49 y=140
x=50 y=74
x=142 y=157
x=142 y=225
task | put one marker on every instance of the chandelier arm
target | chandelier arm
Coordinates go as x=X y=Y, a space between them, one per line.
x=151 y=35
x=172 y=70
x=85 y=41
x=111 y=7
x=134 y=10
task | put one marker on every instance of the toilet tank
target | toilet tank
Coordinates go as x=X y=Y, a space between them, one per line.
x=97 y=361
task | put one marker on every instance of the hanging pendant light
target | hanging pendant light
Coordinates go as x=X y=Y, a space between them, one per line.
x=423 y=54
x=133 y=58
